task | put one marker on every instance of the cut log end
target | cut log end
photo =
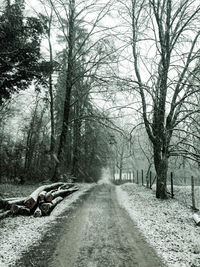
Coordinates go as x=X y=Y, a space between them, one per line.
x=40 y=202
x=49 y=196
x=48 y=207
x=30 y=203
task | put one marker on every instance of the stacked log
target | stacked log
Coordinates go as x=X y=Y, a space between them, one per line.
x=49 y=196
x=16 y=201
x=32 y=200
x=5 y=214
x=3 y=203
x=42 y=196
x=39 y=203
x=64 y=192
x=20 y=210
x=46 y=208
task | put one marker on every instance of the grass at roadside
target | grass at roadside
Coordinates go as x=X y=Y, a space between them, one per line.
x=12 y=190
x=167 y=225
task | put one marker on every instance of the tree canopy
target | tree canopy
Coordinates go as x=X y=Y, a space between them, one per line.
x=20 y=39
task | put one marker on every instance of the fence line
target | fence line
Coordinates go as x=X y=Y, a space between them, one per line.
x=138 y=178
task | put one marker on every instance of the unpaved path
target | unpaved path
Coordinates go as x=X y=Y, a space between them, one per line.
x=101 y=234
x=94 y=232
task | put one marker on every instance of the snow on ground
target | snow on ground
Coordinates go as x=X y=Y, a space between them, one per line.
x=183 y=195
x=19 y=233
x=167 y=225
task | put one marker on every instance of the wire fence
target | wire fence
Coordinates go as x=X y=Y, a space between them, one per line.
x=186 y=193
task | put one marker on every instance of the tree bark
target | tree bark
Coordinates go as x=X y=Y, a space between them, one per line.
x=161 y=166
x=5 y=214
x=77 y=139
x=42 y=196
x=20 y=210
x=18 y=201
x=49 y=196
x=69 y=84
x=52 y=143
x=64 y=192
x=3 y=203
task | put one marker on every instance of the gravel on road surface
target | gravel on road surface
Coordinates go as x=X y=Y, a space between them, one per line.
x=95 y=232
x=102 y=234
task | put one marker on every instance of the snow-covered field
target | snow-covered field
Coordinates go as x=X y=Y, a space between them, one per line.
x=19 y=233
x=183 y=195
x=167 y=225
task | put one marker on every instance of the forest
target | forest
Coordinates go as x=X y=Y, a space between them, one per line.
x=87 y=85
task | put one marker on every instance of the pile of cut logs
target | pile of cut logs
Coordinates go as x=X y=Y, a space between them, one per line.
x=40 y=203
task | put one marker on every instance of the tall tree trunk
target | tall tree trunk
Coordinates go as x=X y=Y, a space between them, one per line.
x=69 y=84
x=77 y=138
x=161 y=166
x=52 y=135
x=52 y=144
x=76 y=149
x=120 y=167
x=120 y=173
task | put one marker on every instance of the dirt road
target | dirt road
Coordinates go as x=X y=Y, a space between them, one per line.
x=96 y=233
x=102 y=234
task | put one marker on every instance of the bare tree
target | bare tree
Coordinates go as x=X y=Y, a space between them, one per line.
x=87 y=52
x=165 y=47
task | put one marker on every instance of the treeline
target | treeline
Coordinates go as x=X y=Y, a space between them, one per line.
x=72 y=52
x=53 y=129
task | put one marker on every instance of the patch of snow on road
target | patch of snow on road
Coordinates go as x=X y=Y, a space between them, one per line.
x=167 y=225
x=19 y=233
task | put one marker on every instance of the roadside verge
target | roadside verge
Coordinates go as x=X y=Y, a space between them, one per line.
x=166 y=225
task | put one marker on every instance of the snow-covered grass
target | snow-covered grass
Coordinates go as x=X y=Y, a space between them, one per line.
x=19 y=233
x=183 y=193
x=13 y=190
x=167 y=225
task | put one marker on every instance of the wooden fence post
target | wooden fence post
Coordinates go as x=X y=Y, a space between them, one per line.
x=150 y=178
x=137 y=178
x=147 y=180
x=172 y=185
x=142 y=177
x=193 y=194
